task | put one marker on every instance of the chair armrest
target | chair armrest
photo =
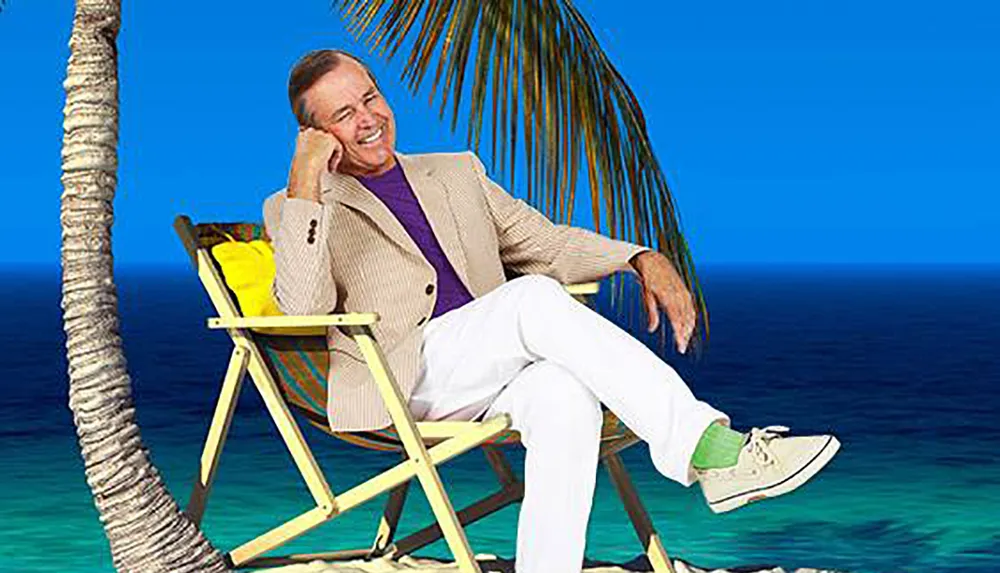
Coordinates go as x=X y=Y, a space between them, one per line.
x=294 y=321
x=351 y=318
x=582 y=288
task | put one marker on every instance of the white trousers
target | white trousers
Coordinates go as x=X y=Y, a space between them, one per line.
x=531 y=350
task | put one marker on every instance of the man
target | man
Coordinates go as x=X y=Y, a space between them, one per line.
x=423 y=240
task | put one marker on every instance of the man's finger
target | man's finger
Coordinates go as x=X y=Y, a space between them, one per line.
x=651 y=309
x=685 y=310
x=678 y=319
x=689 y=320
x=681 y=330
x=692 y=323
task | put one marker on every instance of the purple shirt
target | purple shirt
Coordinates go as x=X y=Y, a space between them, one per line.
x=395 y=191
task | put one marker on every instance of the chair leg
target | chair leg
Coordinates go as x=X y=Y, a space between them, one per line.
x=326 y=504
x=643 y=525
x=290 y=433
x=217 y=432
x=427 y=473
x=501 y=467
x=512 y=492
x=390 y=519
x=441 y=505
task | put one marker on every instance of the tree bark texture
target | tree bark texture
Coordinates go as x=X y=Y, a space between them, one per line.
x=144 y=525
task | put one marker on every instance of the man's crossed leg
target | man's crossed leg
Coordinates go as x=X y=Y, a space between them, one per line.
x=531 y=350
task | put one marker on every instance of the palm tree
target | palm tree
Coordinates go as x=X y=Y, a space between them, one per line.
x=144 y=525
x=541 y=69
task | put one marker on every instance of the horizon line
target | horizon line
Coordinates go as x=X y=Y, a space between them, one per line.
x=737 y=263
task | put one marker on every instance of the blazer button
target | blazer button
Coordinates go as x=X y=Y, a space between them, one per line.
x=313 y=223
x=429 y=289
x=311 y=240
x=421 y=321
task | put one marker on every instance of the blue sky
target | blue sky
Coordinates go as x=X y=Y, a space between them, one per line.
x=793 y=132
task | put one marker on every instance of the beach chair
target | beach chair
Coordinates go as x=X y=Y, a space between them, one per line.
x=290 y=373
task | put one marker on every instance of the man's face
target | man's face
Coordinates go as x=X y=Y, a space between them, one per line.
x=346 y=103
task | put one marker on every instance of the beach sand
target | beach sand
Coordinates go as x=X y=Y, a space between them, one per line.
x=492 y=564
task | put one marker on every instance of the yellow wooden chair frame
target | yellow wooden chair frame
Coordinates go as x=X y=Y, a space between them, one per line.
x=425 y=445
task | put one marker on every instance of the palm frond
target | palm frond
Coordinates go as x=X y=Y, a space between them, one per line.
x=550 y=85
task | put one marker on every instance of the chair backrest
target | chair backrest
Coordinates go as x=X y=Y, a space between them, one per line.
x=298 y=364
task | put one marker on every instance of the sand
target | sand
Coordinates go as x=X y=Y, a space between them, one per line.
x=491 y=564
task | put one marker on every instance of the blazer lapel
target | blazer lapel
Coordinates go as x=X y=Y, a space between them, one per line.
x=431 y=196
x=351 y=192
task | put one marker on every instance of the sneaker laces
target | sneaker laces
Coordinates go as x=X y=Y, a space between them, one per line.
x=758 y=447
x=758 y=443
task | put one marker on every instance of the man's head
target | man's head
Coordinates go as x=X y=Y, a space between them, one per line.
x=335 y=92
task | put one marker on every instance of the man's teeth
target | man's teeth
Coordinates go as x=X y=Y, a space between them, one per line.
x=372 y=137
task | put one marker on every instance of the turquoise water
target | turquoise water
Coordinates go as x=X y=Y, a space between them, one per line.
x=902 y=365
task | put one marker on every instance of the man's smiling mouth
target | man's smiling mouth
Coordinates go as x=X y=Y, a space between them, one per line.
x=373 y=137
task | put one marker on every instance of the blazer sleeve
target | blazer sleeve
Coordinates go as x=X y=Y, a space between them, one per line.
x=531 y=243
x=300 y=234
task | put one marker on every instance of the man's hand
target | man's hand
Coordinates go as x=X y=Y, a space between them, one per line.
x=662 y=286
x=315 y=151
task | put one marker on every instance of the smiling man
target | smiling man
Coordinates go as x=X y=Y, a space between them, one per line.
x=424 y=241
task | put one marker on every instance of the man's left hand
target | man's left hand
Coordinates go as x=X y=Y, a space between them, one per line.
x=662 y=286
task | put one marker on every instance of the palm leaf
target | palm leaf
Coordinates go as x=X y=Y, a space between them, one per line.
x=550 y=85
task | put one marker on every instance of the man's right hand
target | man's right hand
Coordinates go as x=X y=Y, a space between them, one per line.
x=315 y=151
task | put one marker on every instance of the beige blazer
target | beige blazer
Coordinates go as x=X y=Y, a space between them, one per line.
x=349 y=253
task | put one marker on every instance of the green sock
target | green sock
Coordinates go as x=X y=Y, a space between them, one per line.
x=719 y=447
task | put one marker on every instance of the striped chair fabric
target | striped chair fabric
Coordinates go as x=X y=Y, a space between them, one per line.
x=299 y=365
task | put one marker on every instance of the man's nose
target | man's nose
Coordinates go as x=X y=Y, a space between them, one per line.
x=366 y=118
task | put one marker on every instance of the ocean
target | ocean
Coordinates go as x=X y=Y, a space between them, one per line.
x=902 y=363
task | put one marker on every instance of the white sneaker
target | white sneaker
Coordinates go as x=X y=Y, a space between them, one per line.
x=769 y=465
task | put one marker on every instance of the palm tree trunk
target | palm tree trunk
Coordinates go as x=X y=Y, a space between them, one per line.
x=144 y=525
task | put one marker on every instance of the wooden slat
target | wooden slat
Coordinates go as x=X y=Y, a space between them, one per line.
x=278 y=536
x=293 y=321
x=407 y=470
x=582 y=288
x=302 y=558
x=434 y=430
x=297 y=558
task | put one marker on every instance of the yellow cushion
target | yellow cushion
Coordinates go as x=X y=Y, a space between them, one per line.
x=248 y=269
